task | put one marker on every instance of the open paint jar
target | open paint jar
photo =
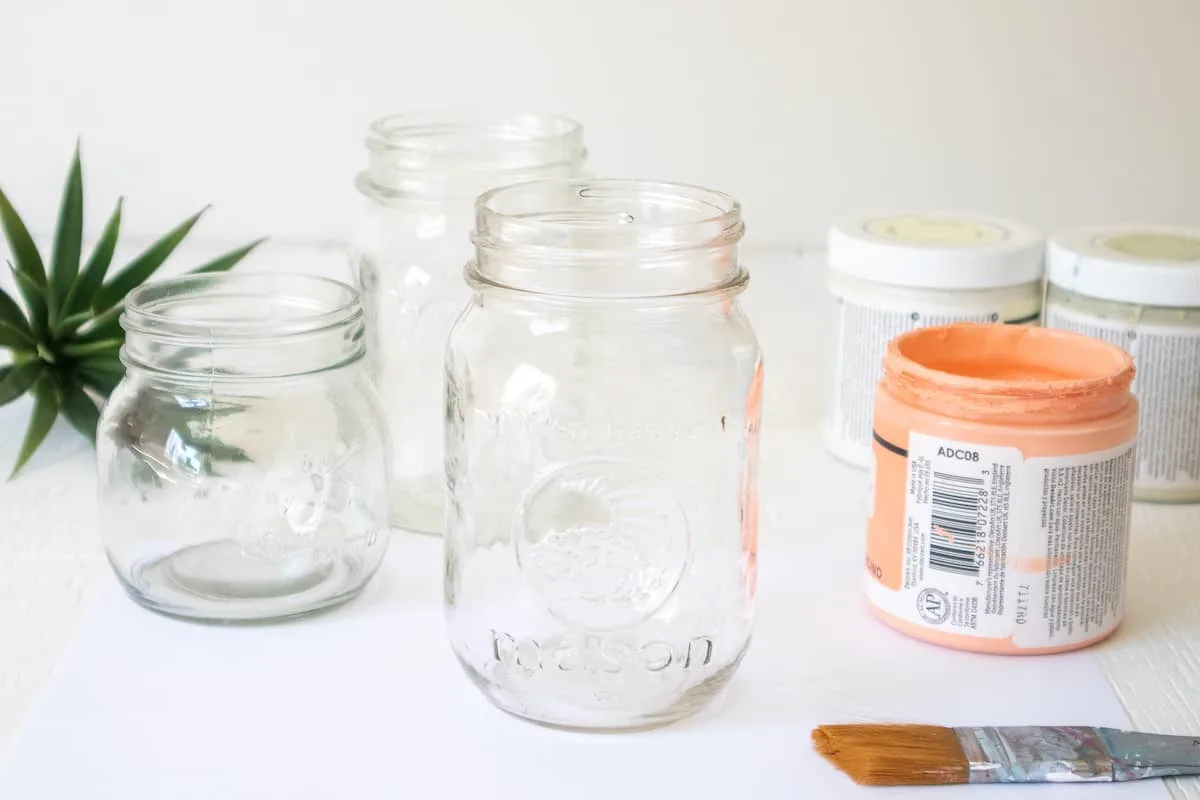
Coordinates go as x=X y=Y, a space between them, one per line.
x=892 y=273
x=1003 y=466
x=1139 y=288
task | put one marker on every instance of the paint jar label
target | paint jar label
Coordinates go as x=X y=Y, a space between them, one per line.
x=1167 y=385
x=861 y=334
x=1030 y=552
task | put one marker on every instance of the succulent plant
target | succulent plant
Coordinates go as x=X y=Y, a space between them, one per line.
x=65 y=343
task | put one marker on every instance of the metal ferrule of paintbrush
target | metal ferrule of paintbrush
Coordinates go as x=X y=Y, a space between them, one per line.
x=1053 y=754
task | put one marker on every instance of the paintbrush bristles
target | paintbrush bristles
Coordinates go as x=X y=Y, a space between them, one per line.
x=894 y=755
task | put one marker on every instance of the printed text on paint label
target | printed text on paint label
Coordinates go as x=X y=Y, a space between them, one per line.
x=1167 y=385
x=861 y=334
x=997 y=546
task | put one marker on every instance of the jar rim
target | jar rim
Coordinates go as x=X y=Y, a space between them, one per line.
x=291 y=305
x=411 y=140
x=723 y=207
x=550 y=236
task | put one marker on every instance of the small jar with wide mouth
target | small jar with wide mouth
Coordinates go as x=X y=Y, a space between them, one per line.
x=1002 y=476
x=603 y=397
x=243 y=460
x=424 y=172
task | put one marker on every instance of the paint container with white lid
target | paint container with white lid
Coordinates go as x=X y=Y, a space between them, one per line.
x=892 y=273
x=1138 y=286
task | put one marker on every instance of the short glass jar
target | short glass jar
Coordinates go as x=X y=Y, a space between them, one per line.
x=1138 y=287
x=1002 y=476
x=603 y=397
x=424 y=173
x=243 y=459
x=892 y=273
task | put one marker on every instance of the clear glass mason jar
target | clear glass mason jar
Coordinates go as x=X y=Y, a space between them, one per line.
x=243 y=460
x=603 y=396
x=424 y=173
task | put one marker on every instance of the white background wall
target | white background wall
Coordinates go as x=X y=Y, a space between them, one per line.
x=1058 y=112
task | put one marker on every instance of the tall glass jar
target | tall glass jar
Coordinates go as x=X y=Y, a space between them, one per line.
x=603 y=395
x=424 y=173
x=243 y=459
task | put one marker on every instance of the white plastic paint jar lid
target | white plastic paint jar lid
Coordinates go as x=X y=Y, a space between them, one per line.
x=933 y=250
x=892 y=273
x=1151 y=265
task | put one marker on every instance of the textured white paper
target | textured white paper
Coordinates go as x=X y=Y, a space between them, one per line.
x=367 y=702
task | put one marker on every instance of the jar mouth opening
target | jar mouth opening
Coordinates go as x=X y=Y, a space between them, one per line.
x=462 y=141
x=1009 y=361
x=626 y=238
x=240 y=307
x=605 y=215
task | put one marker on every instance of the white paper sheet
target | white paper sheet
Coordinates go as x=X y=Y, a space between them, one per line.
x=367 y=702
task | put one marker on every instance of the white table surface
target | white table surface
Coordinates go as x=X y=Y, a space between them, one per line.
x=368 y=702
x=51 y=568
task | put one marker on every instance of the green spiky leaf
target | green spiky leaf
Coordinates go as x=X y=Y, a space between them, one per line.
x=14 y=340
x=104 y=362
x=12 y=317
x=16 y=379
x=20 y=243
x=85 y=349
x=83 y=290
x=104 y=326
x=142 y=267
x=228 y=261
x=68 y=237
x=101 y=373
x=98 y=380
x=14 y=330
x=65 y=335
x=67 y=326
x=80 y=409
x=35 y=302
x=45 y=410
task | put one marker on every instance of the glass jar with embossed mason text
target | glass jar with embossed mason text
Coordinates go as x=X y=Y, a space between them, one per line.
x=424 y=173
x=603 y=397
x=243 y=459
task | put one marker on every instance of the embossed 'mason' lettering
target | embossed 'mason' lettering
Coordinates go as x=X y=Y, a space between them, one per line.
x=542 y=424
x=595 y=655
x=523 y=655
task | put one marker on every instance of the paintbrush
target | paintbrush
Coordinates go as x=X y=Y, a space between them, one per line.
x=927 y=755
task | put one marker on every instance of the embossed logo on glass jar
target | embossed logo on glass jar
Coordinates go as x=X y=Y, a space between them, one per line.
x=604 y=541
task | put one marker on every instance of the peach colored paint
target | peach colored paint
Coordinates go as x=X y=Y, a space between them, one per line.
x=1047 y=393
x=748 y=496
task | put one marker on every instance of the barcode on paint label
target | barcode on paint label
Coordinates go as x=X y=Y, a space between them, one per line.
x=956 y=533
x=954 y=523
x=1029 y=553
